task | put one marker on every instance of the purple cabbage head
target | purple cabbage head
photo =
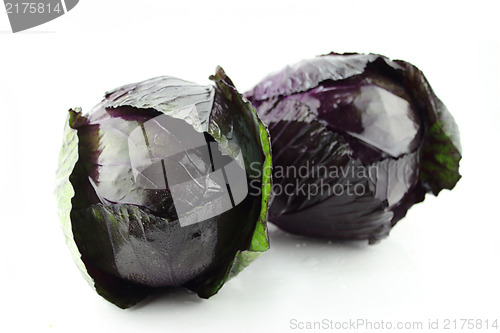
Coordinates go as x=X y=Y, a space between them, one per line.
x=153 y=188
x=357 y=139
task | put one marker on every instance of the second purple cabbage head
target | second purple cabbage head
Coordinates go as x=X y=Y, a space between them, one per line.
x=357 y=139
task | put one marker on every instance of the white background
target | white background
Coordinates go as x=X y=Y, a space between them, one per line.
x=440 y=262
